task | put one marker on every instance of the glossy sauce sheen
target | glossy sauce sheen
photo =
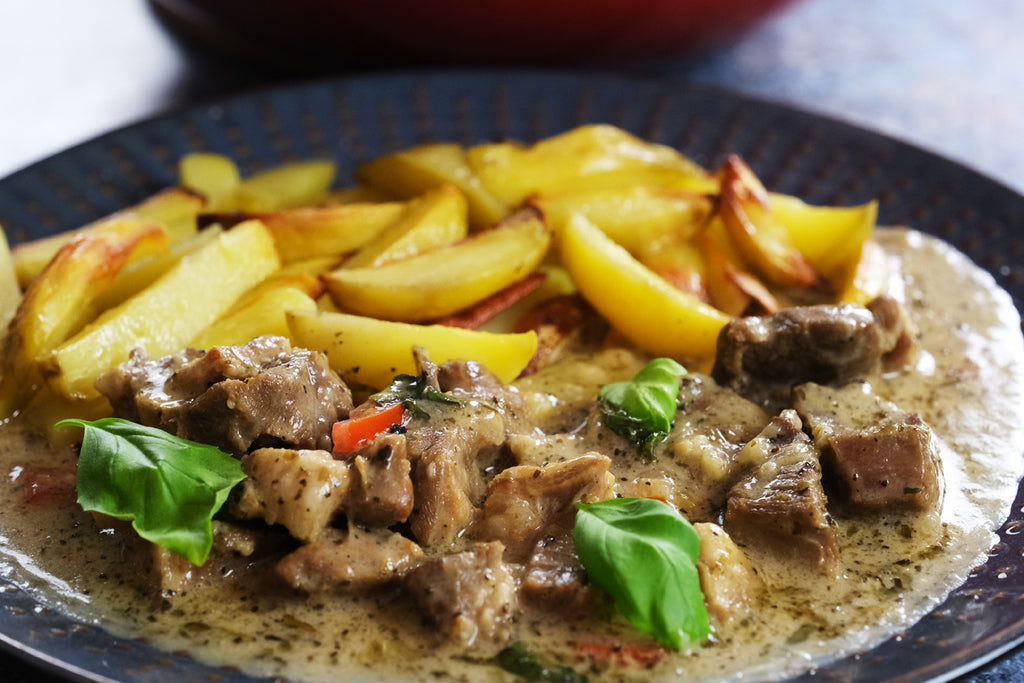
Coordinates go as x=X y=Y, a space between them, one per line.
x=967 y=385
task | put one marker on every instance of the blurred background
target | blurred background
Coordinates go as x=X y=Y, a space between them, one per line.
x=946 y=76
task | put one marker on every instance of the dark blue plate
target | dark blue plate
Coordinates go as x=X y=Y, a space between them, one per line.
x=354 y=120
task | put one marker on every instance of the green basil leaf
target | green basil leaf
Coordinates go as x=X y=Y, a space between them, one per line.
x=410 y=390
x=644 y=553
x=168 y=487
x=641 y=410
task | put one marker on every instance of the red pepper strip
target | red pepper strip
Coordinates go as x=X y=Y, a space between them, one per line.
x=621 y=655
x=482 y=311
x=355 y=432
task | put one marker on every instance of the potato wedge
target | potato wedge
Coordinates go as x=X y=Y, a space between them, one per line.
x=214 y=176
x=830 y=237
x=413 y=171
x=371 y=352
x=763 y=241
x=287 y=186
x=447 y=279
x=587 y=158
x=174 y=209
x=730 y=289
x=436 y=218
x=62 y=299
x=642 y=219
x=360 y=194
x=312 y=232
x=168 y=314
x=263 y=313
x=641 y=306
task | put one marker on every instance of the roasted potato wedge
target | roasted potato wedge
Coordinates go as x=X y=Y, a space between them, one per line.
x=168 y=314
x=593 y=157
x=447 y=279
x=371 y=352
x=642 y=219
x=413 y=171
x=755 y=230
x=436 y=218
x=214 y=176
x=262 y=313
x=641 y=306
x=300 y=183
x=175 y=210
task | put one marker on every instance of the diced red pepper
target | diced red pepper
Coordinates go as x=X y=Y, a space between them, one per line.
x=355 y=432
x=621 y=655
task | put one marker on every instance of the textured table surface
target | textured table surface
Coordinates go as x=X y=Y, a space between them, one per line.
x=945 y=76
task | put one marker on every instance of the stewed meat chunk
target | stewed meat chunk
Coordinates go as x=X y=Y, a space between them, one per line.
x=349 y=560
x=554 y=578
x=524 y=502
x=762 y=358
x=728 y=580
x=780 y=506
x=874 y=454
x=469 y=595
x=264 y=393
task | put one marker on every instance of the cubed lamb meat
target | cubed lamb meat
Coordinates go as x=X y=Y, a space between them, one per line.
x=762 y=358
x=728 y=580
x=780 y=507
x=470 y=596
x=356 y=559
x=300 y=490
x=555 y=579
x=264 y=393
x=874 y=454
x=381 y=492
x=526 y=502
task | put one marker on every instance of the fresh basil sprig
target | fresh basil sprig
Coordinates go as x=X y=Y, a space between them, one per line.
x=410 y=390
x=517 y=660
x=643 y=553
x=168 y=487
x=641 y=409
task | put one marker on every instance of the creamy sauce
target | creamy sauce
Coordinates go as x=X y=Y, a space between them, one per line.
x=967 y=386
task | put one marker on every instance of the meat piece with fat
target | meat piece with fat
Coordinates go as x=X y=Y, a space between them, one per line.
x=356 y=559
x=762 y=358
x=264 y=393
x=874 y=454
x=469 y=596
x=728 y=580
x=780 y=507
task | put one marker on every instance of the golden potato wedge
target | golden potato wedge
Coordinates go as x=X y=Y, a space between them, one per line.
x=436 y=218
x=62 y=299
x=641 y=306
x=311 y=232
x=10 y=291
x=174 y=209
x=287 y=186
x=371 y=352
x=830 y=237
x=642 y=219
x=262 y=313
x=446 y=279
x=592 y=157
x=168 y=314
x=413 y=171
x=214 y=176
x=731 y=289
x=306 y=283
x=681 y=264
x=756 y=232
x=138 y=274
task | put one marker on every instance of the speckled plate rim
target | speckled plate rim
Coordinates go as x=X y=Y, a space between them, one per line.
x=353 y=119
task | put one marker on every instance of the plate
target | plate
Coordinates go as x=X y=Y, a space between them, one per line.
x=356 y=119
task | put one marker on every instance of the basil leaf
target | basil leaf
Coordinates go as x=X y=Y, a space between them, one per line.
x=168 y=487
x=641 y=410
x=410 y=390
x=517 y=660
x=644 y=553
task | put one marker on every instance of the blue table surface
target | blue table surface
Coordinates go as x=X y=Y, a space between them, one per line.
x=948 y=77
